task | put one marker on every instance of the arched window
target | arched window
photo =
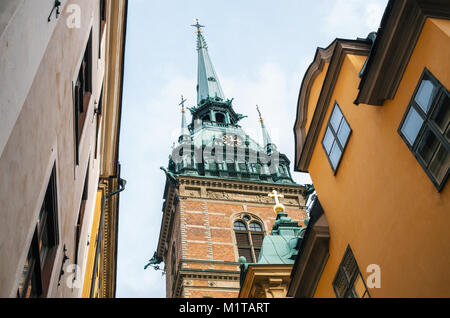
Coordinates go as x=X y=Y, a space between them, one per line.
x=255 y=227
x=206 y=118
x=249 y=237
x=240 y=226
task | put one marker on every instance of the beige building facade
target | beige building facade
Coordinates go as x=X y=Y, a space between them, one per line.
x=61 y=73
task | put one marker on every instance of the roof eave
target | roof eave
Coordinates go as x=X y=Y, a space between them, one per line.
x=334 y=54
x=397 y=36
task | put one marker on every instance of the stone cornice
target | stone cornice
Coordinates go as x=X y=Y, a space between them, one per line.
x=240 y=185
x=266 y=280
x=185 y=275
x=168 y=211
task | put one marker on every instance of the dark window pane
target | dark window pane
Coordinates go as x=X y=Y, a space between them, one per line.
x=425 y=94
x=30 y=284
x=447 y=134
x=44 y=245
x=348 y=282
x=257 y=252
x=255 y=227
x=440 y=164
x=412 y=125
x=441 y=115
x=351 y=293
x=340 y=284
x=247 y=253
x=33 y=290
x=238 y=225
x=25 y=285
x=257 y=240
x=220 y=118
x=350 y=267
x=242 y=239
x=427 y=146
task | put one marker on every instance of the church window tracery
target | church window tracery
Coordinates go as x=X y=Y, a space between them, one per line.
x=249 y=237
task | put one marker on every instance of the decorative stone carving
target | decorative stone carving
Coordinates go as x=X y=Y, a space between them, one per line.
x=257 y=198
x=212 y=283
x=192 y=192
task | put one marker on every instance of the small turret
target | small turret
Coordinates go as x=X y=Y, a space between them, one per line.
x=185 y=135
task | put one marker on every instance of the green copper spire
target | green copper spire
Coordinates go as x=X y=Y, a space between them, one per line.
x=214 y=145
x=268 y=145
x=184 y=134
x=207 y=80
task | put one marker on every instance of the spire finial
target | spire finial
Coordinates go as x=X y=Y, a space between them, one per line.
x=183 y=100
x=198 y=25
x=259 y=112
x=270 y=147
x=184 y=136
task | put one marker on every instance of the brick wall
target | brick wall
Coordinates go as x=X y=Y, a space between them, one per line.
x=203 y=231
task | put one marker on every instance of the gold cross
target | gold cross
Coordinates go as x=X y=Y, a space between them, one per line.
x=275 y=195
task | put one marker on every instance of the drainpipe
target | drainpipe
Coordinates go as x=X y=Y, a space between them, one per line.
x=122 y=184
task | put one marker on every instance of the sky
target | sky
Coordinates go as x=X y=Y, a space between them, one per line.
x=260 y=50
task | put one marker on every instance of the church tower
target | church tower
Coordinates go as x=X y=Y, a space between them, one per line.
x=216 y=206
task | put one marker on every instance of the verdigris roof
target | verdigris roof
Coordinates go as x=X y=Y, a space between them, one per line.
x=214 y=144
x=278 y=250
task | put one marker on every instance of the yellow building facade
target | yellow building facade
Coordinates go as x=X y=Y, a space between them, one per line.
x=373 y=131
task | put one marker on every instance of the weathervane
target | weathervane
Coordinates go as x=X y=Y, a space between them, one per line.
x=183 y=100
x=198 y=26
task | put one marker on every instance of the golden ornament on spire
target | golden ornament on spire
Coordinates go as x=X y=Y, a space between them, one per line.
x=278 y=207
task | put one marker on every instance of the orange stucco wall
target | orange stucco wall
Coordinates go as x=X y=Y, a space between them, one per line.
x=314 y=95
x=381 y=201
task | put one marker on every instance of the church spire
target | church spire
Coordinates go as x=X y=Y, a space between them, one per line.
x=185 y=134
x=268 y=145
x=208 y=85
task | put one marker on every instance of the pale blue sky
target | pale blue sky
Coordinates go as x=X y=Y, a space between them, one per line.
x=260 y=50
